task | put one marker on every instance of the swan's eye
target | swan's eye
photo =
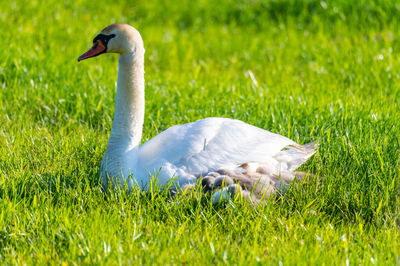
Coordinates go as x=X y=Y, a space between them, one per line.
x=103 y=39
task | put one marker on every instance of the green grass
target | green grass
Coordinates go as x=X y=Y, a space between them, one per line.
x=324 y=70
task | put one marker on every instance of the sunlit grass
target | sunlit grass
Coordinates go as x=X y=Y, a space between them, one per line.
x=309 y=70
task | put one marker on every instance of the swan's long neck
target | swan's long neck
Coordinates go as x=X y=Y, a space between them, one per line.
x=123 y=146
x=129 y=105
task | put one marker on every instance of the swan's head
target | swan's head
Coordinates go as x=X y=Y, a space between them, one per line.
x=116 y=38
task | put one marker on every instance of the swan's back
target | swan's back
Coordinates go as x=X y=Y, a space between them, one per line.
x=196 y=149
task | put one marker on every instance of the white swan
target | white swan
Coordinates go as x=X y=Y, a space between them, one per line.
x=221 y=150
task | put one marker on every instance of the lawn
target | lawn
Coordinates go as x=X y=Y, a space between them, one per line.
x=309 y=70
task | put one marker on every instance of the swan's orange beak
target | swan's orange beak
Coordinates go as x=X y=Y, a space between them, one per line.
x=97 y=49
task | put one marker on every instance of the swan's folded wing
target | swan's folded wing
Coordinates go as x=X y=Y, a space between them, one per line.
x=210 y=144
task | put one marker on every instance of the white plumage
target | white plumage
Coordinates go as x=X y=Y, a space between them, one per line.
x=222 y=150
x=207 y=145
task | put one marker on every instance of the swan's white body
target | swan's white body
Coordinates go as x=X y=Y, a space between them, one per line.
x=182 y=152
x=195 y=149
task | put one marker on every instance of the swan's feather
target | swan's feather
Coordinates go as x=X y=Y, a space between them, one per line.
x=196 y=149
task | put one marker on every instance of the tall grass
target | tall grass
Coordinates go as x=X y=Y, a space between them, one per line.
x=323 y=70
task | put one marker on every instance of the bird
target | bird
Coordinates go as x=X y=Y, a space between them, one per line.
x=227 y=157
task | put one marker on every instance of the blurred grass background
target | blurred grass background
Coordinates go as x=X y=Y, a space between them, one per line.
x=325 y=70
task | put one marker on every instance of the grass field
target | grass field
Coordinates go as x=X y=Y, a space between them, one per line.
x=323 y=70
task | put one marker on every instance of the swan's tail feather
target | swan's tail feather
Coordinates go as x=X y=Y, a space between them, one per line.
x=293 y=156
x=310 y=147
x=258 y=181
